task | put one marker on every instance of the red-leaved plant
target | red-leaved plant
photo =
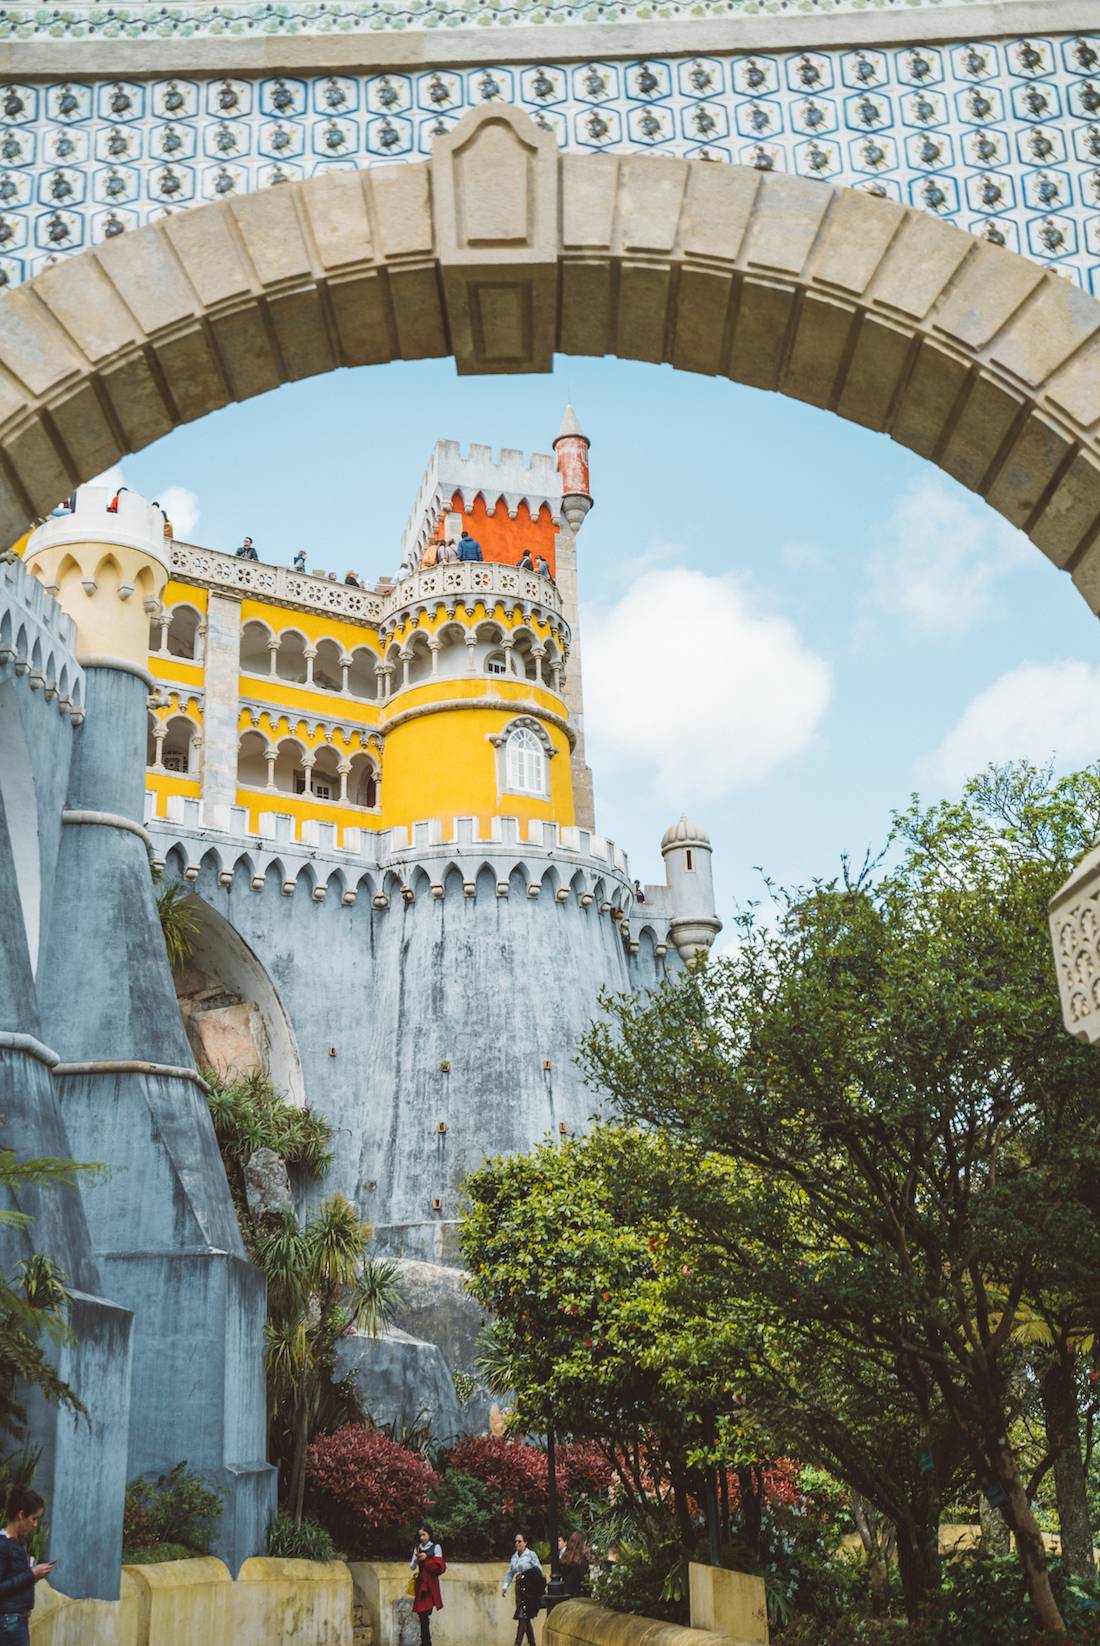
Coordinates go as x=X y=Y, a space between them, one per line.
x=367 y=1483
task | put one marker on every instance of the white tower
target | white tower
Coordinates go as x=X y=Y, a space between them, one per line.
x=686 y=851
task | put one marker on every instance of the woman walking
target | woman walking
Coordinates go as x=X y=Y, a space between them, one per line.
x=525 y=1569
x=427 y=1566
x=573 y=1563
x=18 y=1573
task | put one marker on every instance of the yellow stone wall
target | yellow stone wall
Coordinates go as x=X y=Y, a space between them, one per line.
x=436 y=765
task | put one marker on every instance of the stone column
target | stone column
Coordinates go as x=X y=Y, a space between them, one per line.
x=566 y=566
x=222 y=710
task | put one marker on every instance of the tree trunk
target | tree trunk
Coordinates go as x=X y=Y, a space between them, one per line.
x=1059 y=1395
x=918 y=1563
x=873 y=1534
x=750 y=1509
x=1029 y=1540
x=296 y=1489
x=996 y=1538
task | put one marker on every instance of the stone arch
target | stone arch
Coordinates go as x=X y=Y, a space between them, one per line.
x=984 y=362
x=222 y=964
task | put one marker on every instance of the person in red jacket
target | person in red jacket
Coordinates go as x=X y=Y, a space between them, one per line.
x=427 y=1565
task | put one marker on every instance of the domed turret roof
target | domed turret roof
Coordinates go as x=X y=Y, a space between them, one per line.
x=684 y=833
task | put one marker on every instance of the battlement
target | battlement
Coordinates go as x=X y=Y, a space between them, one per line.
x=38 y=639
x=132 y=523
x=509 y=477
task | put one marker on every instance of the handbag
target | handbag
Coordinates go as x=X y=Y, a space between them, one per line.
x=410 y=1587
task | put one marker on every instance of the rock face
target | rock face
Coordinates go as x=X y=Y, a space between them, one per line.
x=267 y=1185
x=401 y=1379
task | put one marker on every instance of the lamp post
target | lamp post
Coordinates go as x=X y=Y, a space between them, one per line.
x=555 y=1589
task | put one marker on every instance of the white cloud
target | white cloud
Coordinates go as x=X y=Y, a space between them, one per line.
x=692 y=689
x=938 y=555
x=182 y=509
x=111 y=478
x=1033 y=712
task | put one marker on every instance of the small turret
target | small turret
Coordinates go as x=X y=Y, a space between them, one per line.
x=686 y=851
x=105 y=561
x=571 y=451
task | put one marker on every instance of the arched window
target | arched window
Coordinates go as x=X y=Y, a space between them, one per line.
x=526 y=763
x=496 y=663
x=176 y=754
x=182 y=636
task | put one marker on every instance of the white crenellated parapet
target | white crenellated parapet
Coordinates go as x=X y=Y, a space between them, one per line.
x=510 y=478
x=132 y=523
x=38 y=639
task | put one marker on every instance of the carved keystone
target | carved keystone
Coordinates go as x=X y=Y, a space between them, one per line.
x=495 y=198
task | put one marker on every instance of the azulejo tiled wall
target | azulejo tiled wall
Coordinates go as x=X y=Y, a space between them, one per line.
x=1002 y=138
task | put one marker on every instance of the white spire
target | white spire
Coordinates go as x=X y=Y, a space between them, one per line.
x=569 y=425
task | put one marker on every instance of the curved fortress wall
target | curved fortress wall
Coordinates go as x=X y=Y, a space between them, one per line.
x=83 y=1465
x=160 y=1228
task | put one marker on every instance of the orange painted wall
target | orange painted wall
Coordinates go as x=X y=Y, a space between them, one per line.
x=503 y=539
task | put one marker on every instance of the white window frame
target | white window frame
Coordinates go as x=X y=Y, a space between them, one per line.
x=528 y=776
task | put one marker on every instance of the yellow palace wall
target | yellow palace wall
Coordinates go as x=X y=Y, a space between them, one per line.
x=437 y=765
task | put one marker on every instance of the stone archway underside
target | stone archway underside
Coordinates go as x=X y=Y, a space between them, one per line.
x=501 y=251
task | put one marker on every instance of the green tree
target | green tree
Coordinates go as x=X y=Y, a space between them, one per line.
x=888 y=1056
x=178 y=922
x=320 y=1284
x=33 y=1301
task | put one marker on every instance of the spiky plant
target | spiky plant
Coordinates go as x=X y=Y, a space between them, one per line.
x=178 y=922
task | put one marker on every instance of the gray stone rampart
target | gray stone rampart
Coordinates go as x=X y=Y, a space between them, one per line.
x=82 y=1470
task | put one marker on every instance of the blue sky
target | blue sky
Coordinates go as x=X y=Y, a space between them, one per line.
x=788 y=623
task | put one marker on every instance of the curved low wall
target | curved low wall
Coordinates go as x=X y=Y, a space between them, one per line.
x=180 y=1602
x=583 y=1623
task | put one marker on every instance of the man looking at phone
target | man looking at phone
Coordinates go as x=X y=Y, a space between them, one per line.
x=18 y=1573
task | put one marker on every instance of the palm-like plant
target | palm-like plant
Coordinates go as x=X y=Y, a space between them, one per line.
x=321 y=1284
x=178 y=923
x=33 y=1302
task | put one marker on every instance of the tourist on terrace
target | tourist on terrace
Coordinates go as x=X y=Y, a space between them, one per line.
x=246 y=551
x=352 y=580
x=469 y=548
x=18 y=1573
x=525 y=563
x=639 y=895
x=430 y=557
x=427 y=1565
x=526 y=1570
x=448 y=554
x=542 y=566
x=300 y=561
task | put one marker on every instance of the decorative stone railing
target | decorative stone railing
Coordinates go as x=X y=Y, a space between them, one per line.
x=1075 y=934
x=38 y=639
x=284 y=587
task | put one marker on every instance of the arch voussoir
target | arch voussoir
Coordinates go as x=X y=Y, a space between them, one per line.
x=501 y=251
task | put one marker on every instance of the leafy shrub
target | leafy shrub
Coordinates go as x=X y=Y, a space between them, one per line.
x=583 y=1471
x=983 y=1602
x=514 y=1471
x=156 y=1553
x=287 y=1540
x=173 y=1508
x=370 y=1490
x=467 y=1519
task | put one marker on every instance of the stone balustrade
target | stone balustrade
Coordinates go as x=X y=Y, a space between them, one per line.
x=446 y=585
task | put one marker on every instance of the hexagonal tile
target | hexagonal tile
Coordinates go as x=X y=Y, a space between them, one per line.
x=173 y=141
x=544 y=85
x=335 y=94
x=389 y=135
x=174 y=99
x=283 y=97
